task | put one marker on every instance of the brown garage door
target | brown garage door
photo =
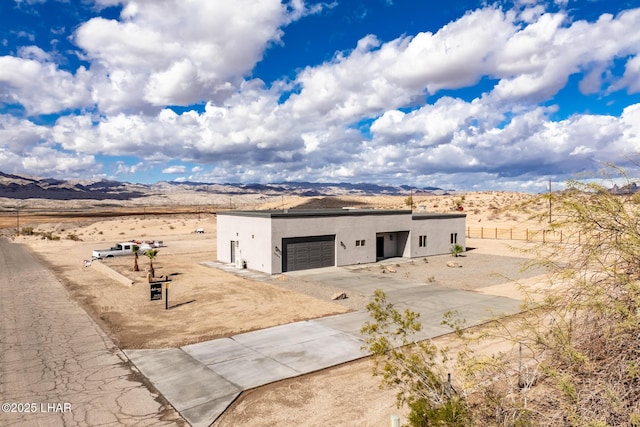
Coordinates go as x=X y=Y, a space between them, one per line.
x=301 y=253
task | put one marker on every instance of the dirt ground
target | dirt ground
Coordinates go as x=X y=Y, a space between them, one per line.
x=204 y=302
x=207 y=303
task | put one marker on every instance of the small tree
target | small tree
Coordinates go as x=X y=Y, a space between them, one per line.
x=415 y=369
x=456 y=250
x=409 y=201
x=151 y=254
x=458 y=204
x=135 y=249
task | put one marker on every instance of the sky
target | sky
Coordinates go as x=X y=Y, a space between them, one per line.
x=463 y=94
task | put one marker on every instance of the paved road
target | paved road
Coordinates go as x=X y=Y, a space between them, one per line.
x=56 y=363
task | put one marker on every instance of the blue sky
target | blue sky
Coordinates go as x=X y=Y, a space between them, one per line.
x=471 y=95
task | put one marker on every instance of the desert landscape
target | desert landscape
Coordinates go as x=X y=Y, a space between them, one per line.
x=207 y=303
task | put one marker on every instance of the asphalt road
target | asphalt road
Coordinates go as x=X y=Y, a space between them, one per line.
x=57 y=367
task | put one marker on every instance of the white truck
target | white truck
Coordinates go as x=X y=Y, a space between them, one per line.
x=117 y=250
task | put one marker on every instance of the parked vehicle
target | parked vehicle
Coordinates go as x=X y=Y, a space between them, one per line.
x=117 y=250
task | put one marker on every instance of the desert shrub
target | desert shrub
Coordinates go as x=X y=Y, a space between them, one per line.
x=27 y=231
x=592 y=344
x=414 y=369
x=409 y=201
x=572 y=356
x=456 y=250
x=73 y=237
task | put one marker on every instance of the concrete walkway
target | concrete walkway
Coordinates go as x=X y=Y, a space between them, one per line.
x=202 y=380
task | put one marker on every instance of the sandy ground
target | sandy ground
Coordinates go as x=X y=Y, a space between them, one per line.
x=204 y=302
x=207 y=303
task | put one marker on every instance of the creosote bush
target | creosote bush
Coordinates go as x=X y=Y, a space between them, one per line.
x=415 y=369
x=588 y=325
x=572 y=358
x=26 y=231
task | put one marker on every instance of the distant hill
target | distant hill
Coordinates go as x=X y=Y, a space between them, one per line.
x=23 y=187
x=312 y=188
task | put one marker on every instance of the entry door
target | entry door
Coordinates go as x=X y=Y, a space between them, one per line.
x=379 y=246
x=233 y=251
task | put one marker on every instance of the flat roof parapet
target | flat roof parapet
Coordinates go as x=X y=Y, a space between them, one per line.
x=309 y=213
x=434 y=215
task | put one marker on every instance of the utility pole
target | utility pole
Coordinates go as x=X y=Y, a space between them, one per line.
x=549 y=187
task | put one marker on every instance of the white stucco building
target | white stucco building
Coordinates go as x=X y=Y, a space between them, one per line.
x=297 y=239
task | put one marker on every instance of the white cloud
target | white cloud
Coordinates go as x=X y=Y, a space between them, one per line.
x=177 y=169
x=172 y=52
x=35 y=53
x=20 y=136
x=24 y=149
x=631 y=77
x=457 y=55
x=40 y=87
x=127 y=169
x=204 y=50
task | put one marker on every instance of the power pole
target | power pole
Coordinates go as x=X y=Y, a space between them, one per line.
x=549 y=201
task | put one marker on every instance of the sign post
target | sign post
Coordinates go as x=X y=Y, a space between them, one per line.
x=166 y=296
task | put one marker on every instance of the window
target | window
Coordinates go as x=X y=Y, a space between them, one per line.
x=454 y=238
x=359 y=242
x=422 y=241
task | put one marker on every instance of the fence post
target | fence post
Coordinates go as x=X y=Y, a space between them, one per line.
x=482 y=232
x=496 y=233
x=511 y=234
x=544 y=233
x=527 y=237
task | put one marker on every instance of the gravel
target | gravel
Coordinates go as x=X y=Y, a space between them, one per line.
x=473 y=271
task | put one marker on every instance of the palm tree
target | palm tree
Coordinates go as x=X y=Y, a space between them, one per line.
x=135 y=249
x=456 y=250
x=151 y=254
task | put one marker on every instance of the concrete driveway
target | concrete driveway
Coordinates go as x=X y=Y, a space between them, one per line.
x=430 y=300
x=202 y=379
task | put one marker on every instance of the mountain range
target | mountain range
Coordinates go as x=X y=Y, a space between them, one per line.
x=24 y=187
